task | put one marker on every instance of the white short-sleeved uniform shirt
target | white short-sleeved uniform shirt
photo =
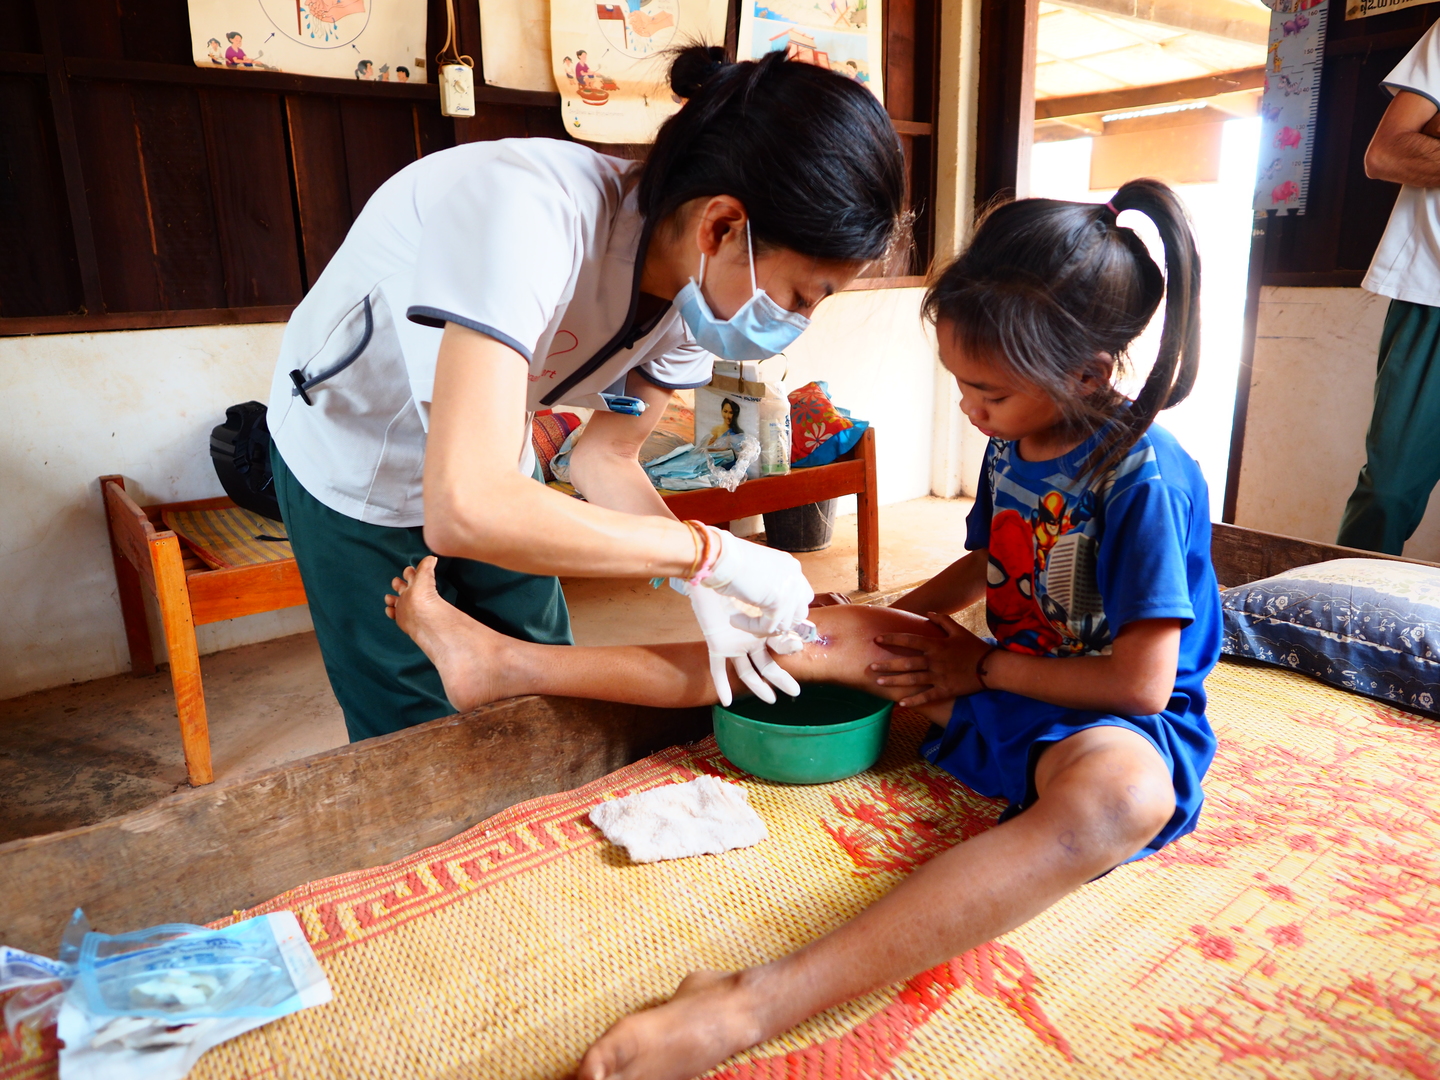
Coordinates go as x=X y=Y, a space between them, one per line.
x=1407 y=262
x=533 y=242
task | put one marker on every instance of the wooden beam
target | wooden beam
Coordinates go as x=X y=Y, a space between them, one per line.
x=203 y=853
x=1241 y=411
x=1006 y=97
x=19 y=63
x=1318 y=279
x=1140 y=96
x=913 y=127
x=95 y=67
x=48 y=16
x=141 y=320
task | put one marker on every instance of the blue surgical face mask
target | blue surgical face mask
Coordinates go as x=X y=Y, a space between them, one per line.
x=759 y=329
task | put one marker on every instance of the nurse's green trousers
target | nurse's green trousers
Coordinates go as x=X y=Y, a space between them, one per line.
x=380 y=677
x=1402 y=447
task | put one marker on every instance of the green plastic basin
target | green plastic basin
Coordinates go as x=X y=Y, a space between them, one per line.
x=827 y=733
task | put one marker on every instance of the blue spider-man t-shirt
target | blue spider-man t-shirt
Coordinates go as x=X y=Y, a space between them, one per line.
x=1072 y=561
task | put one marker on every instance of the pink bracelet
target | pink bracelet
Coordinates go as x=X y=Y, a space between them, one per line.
x=710 y=552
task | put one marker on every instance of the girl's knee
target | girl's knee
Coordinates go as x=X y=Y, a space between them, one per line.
x=1114 y=799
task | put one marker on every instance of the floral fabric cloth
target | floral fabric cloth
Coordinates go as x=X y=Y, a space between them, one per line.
x=820 y=431
x=1368 y=625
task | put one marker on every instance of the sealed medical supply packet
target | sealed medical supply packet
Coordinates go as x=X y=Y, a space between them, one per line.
x=261 y=967
x=146 y=1005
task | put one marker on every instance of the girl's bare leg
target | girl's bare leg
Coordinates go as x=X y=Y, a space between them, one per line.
x=1104 y=793
x=478 y=665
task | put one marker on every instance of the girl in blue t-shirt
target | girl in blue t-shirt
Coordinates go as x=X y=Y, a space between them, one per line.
x=1089 y=542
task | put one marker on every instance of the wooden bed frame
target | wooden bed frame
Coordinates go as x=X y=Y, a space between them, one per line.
x=200 y=854
x=149 y=557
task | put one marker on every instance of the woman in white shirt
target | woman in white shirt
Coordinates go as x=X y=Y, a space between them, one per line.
x=493 y=279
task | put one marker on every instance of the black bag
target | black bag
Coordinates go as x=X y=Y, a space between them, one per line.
x=240 y=448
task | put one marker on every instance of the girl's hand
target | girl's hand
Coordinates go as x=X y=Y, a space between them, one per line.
x=946 y=666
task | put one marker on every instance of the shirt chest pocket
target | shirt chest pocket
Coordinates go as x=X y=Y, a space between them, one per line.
x=360 y=369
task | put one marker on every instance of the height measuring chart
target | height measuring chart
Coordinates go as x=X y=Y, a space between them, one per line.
x=1290 y=103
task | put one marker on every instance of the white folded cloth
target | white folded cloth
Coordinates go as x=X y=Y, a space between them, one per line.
x=704 y=817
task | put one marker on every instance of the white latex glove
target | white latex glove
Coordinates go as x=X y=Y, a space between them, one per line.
x=762 y=577
x=726 y=641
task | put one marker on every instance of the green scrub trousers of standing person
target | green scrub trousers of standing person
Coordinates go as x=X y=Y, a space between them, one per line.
x=384 y=683
x=1402 y=446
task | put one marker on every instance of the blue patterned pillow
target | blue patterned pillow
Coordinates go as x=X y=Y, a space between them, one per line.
x=1366 y=625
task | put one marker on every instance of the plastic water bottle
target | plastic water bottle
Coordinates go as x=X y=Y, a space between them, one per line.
x=774 y=417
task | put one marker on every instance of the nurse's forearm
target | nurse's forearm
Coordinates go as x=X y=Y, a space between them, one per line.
x=478 y=506
x=521 y=525
x=617 y=482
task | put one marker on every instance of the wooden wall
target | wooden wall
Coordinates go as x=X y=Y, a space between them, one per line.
x=139 y=190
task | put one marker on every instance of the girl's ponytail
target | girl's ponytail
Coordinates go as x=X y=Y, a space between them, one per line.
x=1048 y=289
x=1178 y=361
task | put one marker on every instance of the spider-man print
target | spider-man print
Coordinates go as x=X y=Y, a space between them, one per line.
x=1011 y=607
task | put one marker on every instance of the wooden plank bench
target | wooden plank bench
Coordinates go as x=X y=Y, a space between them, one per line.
x=150 y=557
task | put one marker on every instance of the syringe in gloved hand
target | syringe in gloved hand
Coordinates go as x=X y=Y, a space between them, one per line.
x=793 y=640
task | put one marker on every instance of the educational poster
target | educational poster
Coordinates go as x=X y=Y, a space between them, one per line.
x=843 y=35
x=515 y=44
x=1363 y=9
x=610 y=63
x=373 y=40
x=1290 y=103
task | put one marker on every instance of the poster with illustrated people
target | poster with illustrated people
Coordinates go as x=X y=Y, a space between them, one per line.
x=611 y=65
x=843 y=35
x=371 y=40
x=1290 y=103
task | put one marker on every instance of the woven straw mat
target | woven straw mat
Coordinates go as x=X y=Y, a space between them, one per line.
x=229 y=537
x=1296 y=934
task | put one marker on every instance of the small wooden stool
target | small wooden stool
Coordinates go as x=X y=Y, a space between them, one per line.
x=150 y=556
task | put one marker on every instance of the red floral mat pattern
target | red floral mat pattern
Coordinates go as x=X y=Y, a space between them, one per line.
x=1296 y=934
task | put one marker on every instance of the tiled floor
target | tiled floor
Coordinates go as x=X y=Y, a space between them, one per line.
x=76 y=754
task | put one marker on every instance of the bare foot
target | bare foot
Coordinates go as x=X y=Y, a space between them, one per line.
x=711 y=1017
x=472 y=659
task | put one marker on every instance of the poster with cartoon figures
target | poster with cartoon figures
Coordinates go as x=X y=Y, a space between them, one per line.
x=611 y=65
x=372 y=40
x=843 y=35
x=1289 y=104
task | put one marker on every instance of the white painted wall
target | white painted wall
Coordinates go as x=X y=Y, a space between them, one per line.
x=1310 y=395
x=140 y=403
x=879 y=359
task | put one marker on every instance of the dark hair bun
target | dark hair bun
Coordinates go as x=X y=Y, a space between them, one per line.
x=693 y=66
